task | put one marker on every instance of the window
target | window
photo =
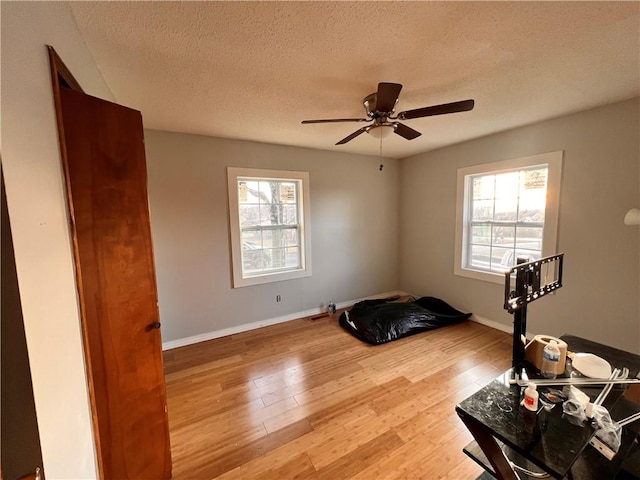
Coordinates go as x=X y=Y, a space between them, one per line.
x=269 y=222
x=506 y=210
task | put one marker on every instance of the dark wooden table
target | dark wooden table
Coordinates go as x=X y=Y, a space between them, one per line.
x=546 y=440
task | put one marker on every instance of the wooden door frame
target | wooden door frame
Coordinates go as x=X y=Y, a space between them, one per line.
x=61 y=77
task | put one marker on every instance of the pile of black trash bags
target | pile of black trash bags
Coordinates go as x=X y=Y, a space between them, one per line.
x=385 y=320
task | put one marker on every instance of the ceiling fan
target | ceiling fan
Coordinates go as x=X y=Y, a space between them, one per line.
x=380 y=107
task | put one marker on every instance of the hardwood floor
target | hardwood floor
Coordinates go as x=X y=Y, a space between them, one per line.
x=306 y=400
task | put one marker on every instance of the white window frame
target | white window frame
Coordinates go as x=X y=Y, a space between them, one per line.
x=304 y=219
x=553 y=160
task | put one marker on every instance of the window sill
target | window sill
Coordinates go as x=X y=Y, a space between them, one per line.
x=271 y=277
x=480 y=275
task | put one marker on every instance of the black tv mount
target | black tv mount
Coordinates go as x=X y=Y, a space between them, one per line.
x=530 y=285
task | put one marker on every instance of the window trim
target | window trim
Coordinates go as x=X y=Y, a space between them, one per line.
x=233 y=173
x=549 y=239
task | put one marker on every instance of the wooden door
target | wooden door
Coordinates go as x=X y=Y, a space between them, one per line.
x=103 y=152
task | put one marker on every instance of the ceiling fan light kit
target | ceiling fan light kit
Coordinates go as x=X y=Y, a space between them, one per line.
x=632 y=217
x=383 y=132
x=380 y=108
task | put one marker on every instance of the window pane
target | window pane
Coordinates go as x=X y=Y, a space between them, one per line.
x=501 y=259
x=248 y=191
x=481 y=234
x=292 y=257
x=504 y=235
x=506 y=210
x=483 y=187
x=533 y=195
x=507 y=186
x=479 y=257
x=482 y=210
x=291 y=237
x=270 y=250
x=254 y=258
x=531 y=215
x=529 y=238
x=243 y=192
x=289 y=215
x=275 y=240
x=278 y=257
x=249 y=215
x=285 y=257
x=534 y=179
x=288 y=192
x=272 y=238
x=253 y=237
x=268 y=214
x=266 y=191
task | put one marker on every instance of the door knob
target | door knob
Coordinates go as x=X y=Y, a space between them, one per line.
x=155 y=325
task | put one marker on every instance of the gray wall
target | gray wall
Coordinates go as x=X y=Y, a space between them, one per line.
x=354 y=231
x=599 y=184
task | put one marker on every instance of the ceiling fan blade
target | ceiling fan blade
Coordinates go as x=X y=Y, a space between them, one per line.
x=387 y=96
x=352 y=136
x=336 y=120
x=406 y=132
x=462 y=106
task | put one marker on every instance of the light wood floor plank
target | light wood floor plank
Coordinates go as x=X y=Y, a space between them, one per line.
x=306 y=400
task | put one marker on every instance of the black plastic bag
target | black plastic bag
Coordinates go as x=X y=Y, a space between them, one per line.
x=382 y=321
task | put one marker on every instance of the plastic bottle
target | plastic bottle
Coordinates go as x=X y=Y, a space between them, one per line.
x=550 y=360
x=331 y=308
x=530 y=400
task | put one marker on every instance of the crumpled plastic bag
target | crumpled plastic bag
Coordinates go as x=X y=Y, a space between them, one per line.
x=608 y=431
x=573 y=393
x=574 y=411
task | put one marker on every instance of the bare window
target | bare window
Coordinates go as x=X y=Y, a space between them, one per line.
x=506 y=210
x=269 y=225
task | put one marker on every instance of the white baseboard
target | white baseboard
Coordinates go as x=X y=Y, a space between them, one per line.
x=203 y=337
x=490 y=323
x=498 y=326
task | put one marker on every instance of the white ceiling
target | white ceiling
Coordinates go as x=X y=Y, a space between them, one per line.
x=254 y=70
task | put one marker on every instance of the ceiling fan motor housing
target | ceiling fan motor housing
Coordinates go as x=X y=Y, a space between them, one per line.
x=370 y=107
x=380 y=119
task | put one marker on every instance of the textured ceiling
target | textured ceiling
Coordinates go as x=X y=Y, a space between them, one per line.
x=254 y=70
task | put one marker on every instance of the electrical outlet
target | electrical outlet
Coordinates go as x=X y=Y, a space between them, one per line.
x=278 y=298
